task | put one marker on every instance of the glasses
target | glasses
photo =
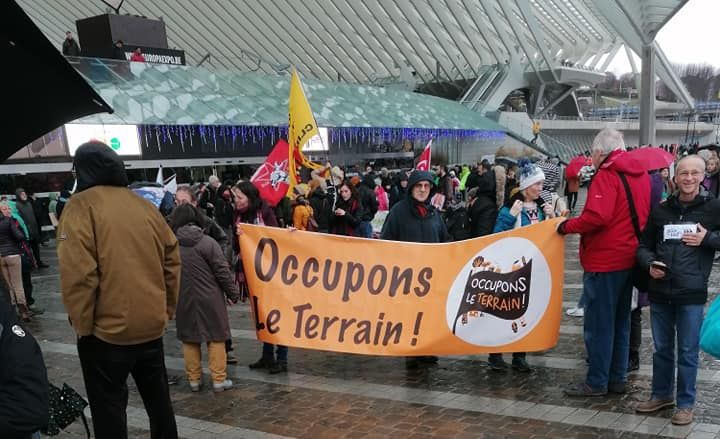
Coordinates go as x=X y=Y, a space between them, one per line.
x=690 y=173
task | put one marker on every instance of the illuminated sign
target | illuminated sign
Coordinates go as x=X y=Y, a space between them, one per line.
x=318 y=142
x=123 y=139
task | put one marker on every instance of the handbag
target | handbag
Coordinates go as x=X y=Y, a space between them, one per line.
x=640 y=276
x=710 y=331
x=66 y=405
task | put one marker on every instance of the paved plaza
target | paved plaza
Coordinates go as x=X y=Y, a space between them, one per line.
x=329 y=395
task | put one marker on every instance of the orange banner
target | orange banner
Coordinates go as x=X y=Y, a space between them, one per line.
x=499 y=293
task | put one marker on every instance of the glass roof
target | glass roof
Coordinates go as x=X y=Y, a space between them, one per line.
x=160 y=94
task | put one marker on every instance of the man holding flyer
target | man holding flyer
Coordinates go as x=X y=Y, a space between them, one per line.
x=677 y=249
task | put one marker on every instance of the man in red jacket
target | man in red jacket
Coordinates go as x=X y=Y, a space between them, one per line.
x=607 y=253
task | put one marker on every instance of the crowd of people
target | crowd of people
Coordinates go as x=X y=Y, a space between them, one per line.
x=127 y=268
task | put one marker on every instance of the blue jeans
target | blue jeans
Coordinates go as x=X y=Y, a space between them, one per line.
x=269 y=353
x=365 y=230
x=667 y=321
x=607 y=326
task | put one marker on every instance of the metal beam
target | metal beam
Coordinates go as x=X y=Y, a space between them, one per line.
x=556 y=101
x=527 y=13
x=479 y=22
x=613 y=53
x=518 y=35
x=647 y=96
x=444 y=16
x=670 y=78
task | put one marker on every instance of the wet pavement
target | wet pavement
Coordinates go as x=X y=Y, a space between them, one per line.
x=330 y=395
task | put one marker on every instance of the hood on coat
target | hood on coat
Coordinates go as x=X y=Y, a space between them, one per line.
x=619 y=161
x=19 y=191
x=189 y=235
x=96 y=164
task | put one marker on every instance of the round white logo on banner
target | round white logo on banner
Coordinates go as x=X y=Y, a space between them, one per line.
x=500 y=294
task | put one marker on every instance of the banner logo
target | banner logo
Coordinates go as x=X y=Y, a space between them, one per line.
x=500 y=294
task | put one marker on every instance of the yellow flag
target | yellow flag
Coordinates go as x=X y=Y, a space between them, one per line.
x=301 y=127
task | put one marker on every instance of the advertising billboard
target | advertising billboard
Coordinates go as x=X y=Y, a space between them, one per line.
x=123 y=139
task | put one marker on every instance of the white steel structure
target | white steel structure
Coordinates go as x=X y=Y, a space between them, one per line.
x=500 y=44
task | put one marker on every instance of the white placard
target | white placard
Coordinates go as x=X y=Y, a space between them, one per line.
x=318 y=142
x=676 y=231
x=123 y=139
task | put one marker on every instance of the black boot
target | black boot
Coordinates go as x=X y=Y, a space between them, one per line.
x=262 y=363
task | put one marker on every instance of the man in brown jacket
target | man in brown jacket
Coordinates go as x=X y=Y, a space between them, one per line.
x=120 y=277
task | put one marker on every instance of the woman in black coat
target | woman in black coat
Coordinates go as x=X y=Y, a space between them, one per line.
x=348 y=212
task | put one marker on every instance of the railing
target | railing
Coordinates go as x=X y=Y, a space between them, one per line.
x=605 y=119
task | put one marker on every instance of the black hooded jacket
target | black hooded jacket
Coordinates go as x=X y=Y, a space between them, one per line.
x=24 y=406
x=27 y=212
x=366 y=193
x=686 y=281
x=96 y=164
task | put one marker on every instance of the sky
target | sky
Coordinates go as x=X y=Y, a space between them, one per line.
x=689 y=37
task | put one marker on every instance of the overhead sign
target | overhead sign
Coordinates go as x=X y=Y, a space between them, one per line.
x=123 y=139
x=499 y=293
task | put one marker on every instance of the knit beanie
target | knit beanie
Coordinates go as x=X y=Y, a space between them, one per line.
x=529 y=174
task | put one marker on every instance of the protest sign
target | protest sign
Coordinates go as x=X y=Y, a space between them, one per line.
x=499 y=293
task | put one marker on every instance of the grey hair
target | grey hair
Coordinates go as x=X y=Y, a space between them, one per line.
x=696 y=157
x=607 y=141
x=705 y=154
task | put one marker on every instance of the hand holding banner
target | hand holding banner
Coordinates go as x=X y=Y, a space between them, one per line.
x=499 y=293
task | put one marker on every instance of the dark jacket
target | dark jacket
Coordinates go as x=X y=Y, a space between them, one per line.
x=348 y=223
x=689 y=267
x=473 y=180
x=209 y=195
x=24 y=406
x=11 y=237
x=397 y=193
x=204 y=283
x=322 y=203
x=405 y=223
x=224 y=211
x=366 y=193
x=26 y=211
x=70 y=47
x=213 y=230
x=266 y=214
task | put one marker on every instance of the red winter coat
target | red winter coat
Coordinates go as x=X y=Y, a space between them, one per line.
x=608 y=241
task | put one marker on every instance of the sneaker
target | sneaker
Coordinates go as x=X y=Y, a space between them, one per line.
x=521 y=365
x=497 y=362
x=261 y=364
x=221 y=387
x=576 y=312
x=582 y=389
x=173 y=379
x=195 y=386
x=654 y=405
x=277 y=368
x=231 y=360
x=682 y=417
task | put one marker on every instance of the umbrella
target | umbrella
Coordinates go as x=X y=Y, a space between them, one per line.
x=576 y=164
x=652 y=158
x=42 y=90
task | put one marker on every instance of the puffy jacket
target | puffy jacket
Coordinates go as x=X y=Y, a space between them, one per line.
x=404 y=223
x=506 y=221
x=608 y=240
x=11 y=237
x=686 y=281
x=24 y=406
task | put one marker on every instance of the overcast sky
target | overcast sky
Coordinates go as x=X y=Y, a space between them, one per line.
x=690 y=37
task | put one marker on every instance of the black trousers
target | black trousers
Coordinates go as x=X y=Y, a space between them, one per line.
x=105 y=370
x=27 y=279
x=635 y=331
x=35 y=246
x=572 y=199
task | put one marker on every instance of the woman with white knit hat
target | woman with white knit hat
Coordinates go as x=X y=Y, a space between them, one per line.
x=522 y=209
